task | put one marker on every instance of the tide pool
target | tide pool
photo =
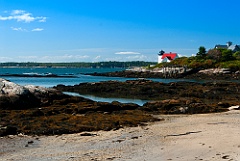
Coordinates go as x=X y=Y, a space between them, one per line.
x=102 y=99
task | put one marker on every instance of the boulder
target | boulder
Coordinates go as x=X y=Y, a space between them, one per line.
x=14 y=96
x=8 y=130
x=8 y=88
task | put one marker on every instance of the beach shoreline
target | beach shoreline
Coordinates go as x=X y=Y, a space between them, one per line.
x=179 y=137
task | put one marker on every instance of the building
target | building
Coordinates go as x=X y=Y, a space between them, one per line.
x=166 y=57
x=229 y=46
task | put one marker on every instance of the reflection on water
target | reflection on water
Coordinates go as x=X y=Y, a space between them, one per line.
x=101 y=99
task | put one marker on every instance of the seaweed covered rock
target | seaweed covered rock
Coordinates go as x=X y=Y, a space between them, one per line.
x=181 y=106
x=8 y=130
x=150 y=90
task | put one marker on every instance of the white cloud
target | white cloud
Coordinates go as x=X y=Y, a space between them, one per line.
x=97 y=57
x=37 y=29
x=16 y=12
x=42 y=19
x=83 y=55
x=140 y=57
x=22 y=16
x=66 y=57
x=127 y=53
x=48 y=58
x=137 y=58
x=25 y=30
x=5 y=59
x=19 y=29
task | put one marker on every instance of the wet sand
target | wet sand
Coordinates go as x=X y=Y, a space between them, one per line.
x=179 y=138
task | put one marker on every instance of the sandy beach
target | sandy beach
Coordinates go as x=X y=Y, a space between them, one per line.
x=180 y=138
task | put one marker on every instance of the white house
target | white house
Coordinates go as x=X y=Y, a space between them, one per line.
x=167 y=57
x=229 y=46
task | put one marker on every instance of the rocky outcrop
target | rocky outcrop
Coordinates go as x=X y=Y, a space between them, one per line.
x=37 y=110
x=207 y=74
x=14 y=96
x=45 y=95
x=149 y=90
x=71 y=115
x=8 y=88
x=182 y=106
x=216 y=74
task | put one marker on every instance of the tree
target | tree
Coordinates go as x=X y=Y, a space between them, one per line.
x=236 y=55
x=201 y=52
x=214 y=54
x=227 y=55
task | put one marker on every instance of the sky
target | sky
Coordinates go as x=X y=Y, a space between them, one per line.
x=113 y=30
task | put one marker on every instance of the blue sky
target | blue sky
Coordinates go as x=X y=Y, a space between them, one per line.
x=112 y=30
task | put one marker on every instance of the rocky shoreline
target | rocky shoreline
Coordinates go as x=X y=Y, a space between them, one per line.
x=42 y=111
x=198 y=74
x=35 y=110
x=209 y=92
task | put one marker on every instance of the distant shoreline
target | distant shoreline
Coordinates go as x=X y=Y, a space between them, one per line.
x=109 y=64
x=207 y=74
x=48 y=75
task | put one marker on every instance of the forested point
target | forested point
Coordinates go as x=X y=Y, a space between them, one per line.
x=213 y=58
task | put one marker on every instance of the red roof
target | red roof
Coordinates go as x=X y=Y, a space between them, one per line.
x=170 y=56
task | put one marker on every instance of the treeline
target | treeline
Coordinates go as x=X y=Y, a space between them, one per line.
x=110 y=64
x=213 y=58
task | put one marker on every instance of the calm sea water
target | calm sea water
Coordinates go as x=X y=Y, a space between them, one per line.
x=50 y=82
x=79 y=78
x=77 y=72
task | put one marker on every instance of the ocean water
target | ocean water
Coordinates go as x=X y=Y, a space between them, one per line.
x=101 y=99
x=73 y=76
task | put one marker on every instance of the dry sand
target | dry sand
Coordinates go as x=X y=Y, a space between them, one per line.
x=178 y=138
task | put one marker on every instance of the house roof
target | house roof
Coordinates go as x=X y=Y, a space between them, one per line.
x=221 y=46
x=232 y=47
x=170 y=56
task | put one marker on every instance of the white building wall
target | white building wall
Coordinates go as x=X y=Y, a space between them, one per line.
x=159 y=58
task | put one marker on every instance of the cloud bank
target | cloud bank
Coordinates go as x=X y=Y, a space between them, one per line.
x=127 y=53
x=22 y=16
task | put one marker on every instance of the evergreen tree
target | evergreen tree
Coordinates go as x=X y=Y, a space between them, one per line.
x=201 y=51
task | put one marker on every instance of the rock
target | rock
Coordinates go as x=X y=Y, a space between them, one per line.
x=87 y=134
x=180 y=106
x=234 y=107
x=8 y=88
x=223 y=105
x=9 y=130
x=30 y=142
x=14 y=96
